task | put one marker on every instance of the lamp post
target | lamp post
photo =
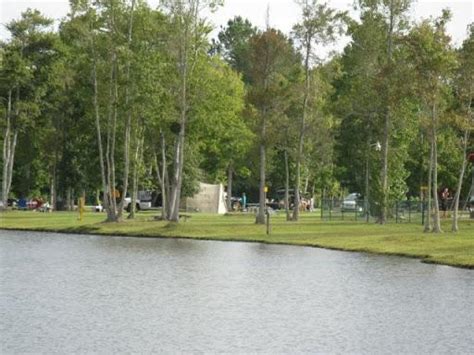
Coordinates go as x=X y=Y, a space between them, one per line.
x=378 y=148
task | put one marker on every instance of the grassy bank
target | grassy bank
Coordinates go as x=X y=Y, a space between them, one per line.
x=456 y=249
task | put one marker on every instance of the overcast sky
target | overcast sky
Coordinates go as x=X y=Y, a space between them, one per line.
x=283 y=13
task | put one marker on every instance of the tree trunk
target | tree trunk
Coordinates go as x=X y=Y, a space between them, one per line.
x=128 y=124
x=134 y=192
x=260 y=219
x=111 y=210
x=7 y=151
x=367 y=188
x=436 y=219
x=287 y=187
x=174 y=182
x=53 y=190
x=110 y=147
x=113 y=194
x=385 y=147
x=13 y=143
x=177 y=176
x=262 y=203
x=162 y=178
x=105 y=187
x=11 y=162
x=428 y=226
x=113 y=183
x=12 y=159
x=455 y=227
x=306 y=183
x=54 y=180
x=471 y=190
x=9 y=148
x=69 y=203
x=230 y=173
x=386 y=131
x=296 y=206
x=177 y=179
x=165 y=188
x=299 y=158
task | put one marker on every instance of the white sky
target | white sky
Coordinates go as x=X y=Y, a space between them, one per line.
x=283 y=13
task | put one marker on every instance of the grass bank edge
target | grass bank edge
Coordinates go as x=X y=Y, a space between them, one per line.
x=95 y=229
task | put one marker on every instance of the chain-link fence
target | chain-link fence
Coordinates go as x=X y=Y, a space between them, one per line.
x=405 y=211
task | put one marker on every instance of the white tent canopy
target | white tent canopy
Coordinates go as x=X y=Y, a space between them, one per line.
x=209 y=199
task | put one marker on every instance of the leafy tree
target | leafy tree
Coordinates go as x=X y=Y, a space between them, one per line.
x=432 y=60
x=225 y=137
x=25 y=62
x=106 y=28
x=358 y=104
x=393 y=13
x=272 y=58
x=464 y=89
x=186 y=47
x=322 y=128
x=319 y=25
x=375 y=103
x=234 y=42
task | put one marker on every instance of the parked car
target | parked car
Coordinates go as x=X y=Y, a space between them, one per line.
x=352 y=203
x=98 y=208
x=143 y=202
x=470 y=204
x=140 y=205
x=11 y=202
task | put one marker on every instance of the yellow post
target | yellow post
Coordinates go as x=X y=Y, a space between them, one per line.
x=81 y=207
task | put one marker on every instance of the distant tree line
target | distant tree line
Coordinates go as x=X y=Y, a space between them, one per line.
x=123 y=97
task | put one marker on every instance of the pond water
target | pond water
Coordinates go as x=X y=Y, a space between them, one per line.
x=70 y=293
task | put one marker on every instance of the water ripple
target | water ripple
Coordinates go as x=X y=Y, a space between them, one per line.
x=83 y=294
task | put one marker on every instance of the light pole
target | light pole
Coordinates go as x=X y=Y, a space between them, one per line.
x=378 y=148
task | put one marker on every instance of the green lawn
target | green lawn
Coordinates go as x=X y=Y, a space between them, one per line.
x=456 y=249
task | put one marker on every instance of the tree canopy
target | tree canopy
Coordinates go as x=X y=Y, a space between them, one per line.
x=121 y=97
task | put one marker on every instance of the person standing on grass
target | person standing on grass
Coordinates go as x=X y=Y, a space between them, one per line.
x=444 y=201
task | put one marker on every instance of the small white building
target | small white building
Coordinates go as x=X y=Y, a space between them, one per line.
x=209 y=199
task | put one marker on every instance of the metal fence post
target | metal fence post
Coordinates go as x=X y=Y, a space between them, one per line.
x=331 y=202
x=267 y=212
x=367 y=212
x=396 y=212
x=422 y=213
x=409 y=211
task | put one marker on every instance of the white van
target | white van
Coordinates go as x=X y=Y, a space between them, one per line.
x=143 y=202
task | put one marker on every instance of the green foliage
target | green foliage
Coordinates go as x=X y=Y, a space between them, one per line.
x=249 y=91
x=273 y=62
x=234 y=42
x=218 y=124
x=28 y=60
